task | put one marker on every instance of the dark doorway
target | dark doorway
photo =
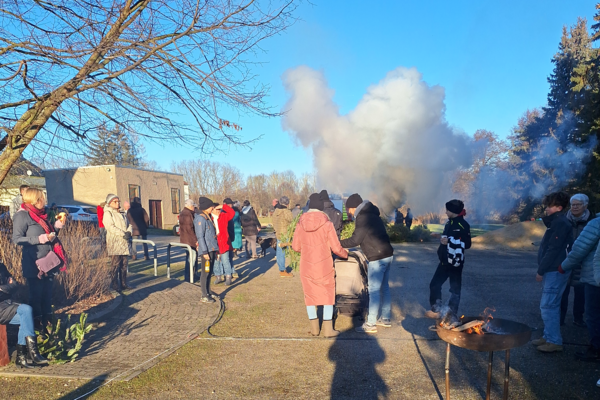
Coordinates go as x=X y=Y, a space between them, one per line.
x=156 y=214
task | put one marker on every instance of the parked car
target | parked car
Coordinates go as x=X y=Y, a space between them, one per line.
x=80 y=213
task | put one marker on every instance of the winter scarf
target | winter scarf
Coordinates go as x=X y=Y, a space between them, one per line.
x=40 y=217
x=584 y=217
x=246 y=209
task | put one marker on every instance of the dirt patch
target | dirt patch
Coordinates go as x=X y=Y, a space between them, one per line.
x=97 y=303
x=515 y=237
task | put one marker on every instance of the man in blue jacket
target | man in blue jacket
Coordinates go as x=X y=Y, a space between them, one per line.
x=555 y=247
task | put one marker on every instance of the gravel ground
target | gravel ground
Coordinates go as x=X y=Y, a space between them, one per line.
x=261 y=347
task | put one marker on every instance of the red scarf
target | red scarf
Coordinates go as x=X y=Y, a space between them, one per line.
x=462 y=213
x=40 y=217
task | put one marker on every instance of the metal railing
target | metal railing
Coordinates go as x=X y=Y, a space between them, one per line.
x=191 y=255
x=151 y=243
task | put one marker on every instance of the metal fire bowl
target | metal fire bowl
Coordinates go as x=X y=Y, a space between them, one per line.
x=514 y=335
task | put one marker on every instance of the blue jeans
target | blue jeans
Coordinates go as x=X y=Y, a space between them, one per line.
x=23 y=318
x=553 y=286
x=280 y=256
x=223 y=265
x=379 y=289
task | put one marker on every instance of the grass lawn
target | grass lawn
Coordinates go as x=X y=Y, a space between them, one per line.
x=476 y=229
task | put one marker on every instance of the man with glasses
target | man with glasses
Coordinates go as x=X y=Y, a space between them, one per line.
x=579 y=215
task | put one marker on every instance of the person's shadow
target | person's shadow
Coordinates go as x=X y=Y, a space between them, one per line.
x=355 y=375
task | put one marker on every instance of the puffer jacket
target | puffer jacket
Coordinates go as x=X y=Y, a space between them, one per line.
x=583 y=252
x=116 y=227
x=282 y=218
x=8 y=308
x=206 y=234
x=578 y=226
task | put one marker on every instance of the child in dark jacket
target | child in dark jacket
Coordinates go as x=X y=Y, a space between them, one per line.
x=554 y=249
x=456 y=238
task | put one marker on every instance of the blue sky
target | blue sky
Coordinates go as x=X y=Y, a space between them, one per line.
x=492 y=58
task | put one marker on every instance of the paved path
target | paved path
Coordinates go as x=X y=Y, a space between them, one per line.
x=153 y=321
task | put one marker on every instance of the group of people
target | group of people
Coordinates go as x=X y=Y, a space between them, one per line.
x=568 y=256
x=399 y=218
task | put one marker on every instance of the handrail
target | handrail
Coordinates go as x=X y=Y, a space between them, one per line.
x=151 y=243
x=191 y=255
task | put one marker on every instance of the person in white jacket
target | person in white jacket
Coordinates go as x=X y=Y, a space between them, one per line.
x=118 y=235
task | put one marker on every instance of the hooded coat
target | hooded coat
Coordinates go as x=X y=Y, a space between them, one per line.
x=116 y=227
x=315 y=239
x=369 y=233
x=223 y=239
x=250 y=222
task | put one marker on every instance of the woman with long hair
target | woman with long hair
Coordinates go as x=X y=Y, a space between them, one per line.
x=315 y=238
x=43 y=254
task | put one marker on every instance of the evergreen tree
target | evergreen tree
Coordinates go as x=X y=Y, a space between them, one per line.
x=113 y=146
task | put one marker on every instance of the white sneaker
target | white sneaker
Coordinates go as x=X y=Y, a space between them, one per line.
x=598 y=383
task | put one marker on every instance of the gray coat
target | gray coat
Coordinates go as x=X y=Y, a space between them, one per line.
x=206 y=234
x=26 y=233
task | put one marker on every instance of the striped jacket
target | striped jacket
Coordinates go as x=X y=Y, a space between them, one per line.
x=459 y=239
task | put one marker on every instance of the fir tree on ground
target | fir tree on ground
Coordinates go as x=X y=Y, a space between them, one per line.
x=113 y=146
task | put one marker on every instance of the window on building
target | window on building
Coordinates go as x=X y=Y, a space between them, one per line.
x=175 y=206
x=134 y=191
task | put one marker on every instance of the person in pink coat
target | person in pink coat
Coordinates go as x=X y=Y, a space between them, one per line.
x=315 y=238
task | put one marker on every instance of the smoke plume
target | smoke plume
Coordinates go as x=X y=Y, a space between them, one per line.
x=394 y=147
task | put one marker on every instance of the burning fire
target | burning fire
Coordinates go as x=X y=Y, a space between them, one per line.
x=475 y=327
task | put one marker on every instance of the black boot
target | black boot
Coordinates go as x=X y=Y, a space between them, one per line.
x=21 y=359
x=32 y=349
x=591 y=354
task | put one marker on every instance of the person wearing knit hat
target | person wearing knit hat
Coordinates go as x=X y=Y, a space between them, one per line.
x=455 y=239
x=370 y=234
x=118 y=236
x=335 y=215
x=187 y=235
x=315 y=239
x=315 y=202
x=208 y=246
x=282 y=218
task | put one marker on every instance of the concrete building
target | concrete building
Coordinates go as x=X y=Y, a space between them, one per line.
x=162 y=193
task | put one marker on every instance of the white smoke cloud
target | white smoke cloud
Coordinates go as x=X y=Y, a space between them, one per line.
x=394 y=147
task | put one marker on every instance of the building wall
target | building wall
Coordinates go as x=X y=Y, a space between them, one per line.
x=154 y=185
x=90 y=185
x=86 y=185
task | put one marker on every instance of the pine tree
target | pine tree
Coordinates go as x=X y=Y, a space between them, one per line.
x=113 y=146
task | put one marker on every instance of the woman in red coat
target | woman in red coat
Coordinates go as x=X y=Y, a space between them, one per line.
x=315 y=238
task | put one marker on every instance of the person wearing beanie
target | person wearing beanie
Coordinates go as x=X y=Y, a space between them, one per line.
x=455 y=239
x=118 y=235
x=222 y=216
x=282 y=218
x=370 y=234
x=335 y=215
x=250 y=228
x=315 y=239
x=208 y=245
x=236 y=232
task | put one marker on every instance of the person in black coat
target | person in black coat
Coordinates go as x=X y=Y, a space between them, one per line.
x=19 y=314
x=455 y=239
x=335 y=215
x=139 y=221
x=250 y=227
x=370 y=234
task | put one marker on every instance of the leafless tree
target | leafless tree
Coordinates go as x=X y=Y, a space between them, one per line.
x=210 y=178
x=68 y=66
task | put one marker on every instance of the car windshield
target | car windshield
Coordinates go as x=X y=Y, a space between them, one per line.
x=90 y=210
x=70 y=210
